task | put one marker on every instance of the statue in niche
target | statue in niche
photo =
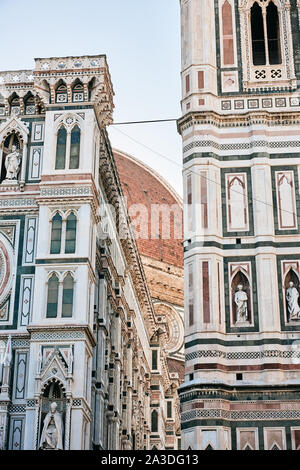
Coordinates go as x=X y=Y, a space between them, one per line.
x=292 y=296
x=12 y=164
x=241 y=301
x=52 y=434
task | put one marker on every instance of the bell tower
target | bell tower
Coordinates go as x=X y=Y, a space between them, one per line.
x=241 y=159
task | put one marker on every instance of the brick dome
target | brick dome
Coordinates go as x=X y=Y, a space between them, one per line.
x=142 y=185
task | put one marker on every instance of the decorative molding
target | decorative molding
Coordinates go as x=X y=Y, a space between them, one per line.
x=17 y=203
x=67 y=191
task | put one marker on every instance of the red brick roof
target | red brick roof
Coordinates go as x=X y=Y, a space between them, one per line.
x=142 y=185
x=176 y=366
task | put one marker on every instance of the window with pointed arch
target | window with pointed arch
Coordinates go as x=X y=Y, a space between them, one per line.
x=61 y=93
x=52 y=300
x=77 y=92
x=63 y=234
x=265 y=33
x=68 y=148
x=154 y=421
x=75 y=148
x=60 y=296
x=29 y=104
x=15 y=107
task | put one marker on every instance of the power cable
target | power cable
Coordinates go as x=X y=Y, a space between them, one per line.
x=201 y=176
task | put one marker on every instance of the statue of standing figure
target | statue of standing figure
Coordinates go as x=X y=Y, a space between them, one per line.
x=241 y=301
x=292 y=296
x=52 y=434
x=12 y=164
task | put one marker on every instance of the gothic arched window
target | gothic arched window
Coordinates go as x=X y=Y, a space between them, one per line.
x=273 y=32
x=15 y=104
x=75 y=148
x=61 y=94
x=71 y=225
x=154 y=421
x=52 y=301
x=265 y=34
x=29 y=104
x=60 y=297
x=63 y=234
x=56 y=235
x=77 y=92
x=61 y=146
x=68 y=148
x=68 y=294
x=258 y=35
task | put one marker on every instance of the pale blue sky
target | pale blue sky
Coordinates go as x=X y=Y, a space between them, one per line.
x=141 y=39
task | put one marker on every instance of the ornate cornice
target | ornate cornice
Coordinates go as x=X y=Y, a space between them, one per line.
x=239 y=120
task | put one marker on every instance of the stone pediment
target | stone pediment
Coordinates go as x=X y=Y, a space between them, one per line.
x=14 y=124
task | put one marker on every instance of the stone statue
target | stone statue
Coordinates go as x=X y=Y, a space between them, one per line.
x=52 y=434
x=12 y=164
x=292 y=296
x=241 y=300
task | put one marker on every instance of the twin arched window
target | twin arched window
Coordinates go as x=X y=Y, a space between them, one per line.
x=60 y=296
x=68 y=149
x=63 y=234
x=265 y=34
x=62 y=92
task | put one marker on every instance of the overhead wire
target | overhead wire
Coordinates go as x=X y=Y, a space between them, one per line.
x=191 y=171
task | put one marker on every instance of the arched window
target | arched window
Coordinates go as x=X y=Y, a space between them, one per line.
x=265 y=32
x=154 y=421
x=75 y=148
x=52 y=301
x=61 y=146
x=29 y=104
x=56 y=235
x=68 y=294
x=68 y=148
x=63 y=234
x=61 y=94
x=91 y=87
x=15 y=104
x=258 y=35
x=71 y=225
x=60 y=298
x=273 y=34
x=77 y=92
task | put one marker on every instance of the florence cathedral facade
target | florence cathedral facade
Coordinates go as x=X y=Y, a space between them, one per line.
x=91 y=315
x=240 y=131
